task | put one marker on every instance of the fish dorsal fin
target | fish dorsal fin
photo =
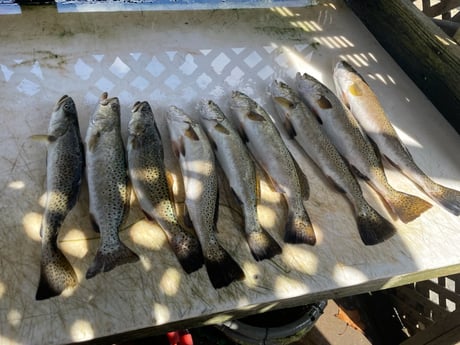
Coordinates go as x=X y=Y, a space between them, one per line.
x=221 y=129
x=178 y=147
x=355 y=90
x=284 y=102
x=242 y=133
x=324 y=103
x=289 y=127
x=191 y=134
x=254 y=116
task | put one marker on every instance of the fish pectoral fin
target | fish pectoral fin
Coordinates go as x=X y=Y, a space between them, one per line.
x=355 y=90
x=284 y=102
x=221 y=129
x=287 y=124
x=178 y=147
x=43 y=138
x=92 y=142
x=336 y=186
x=236 y=197
x=191 y=134
x=94 y=223
x=254 y=116
x=242 y=133
x=324 y=103
x=359 y=173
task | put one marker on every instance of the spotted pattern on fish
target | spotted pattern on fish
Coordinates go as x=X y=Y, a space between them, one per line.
x=148 y=176
x=367 y=109
x=373 y=228
x=266 y=145
x=197 y=164
x=107 y=185
x=345 y=133
x=65 y=165
x=241 y=175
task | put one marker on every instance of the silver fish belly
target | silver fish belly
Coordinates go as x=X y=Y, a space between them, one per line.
x=148 y=177
x=65 y=168
x=345 y=133
x=196 y=160
x=302 y=125
x=107 y=185
x=367 y=109
x=267 y=147
x=240 y=170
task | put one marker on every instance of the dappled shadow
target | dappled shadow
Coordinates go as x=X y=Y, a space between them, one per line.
x=175 y=59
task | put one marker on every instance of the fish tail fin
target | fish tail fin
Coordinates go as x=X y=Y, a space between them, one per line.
x=222 y=268
x=447 y=197
x=299 y=229
x=262 y=245
x=107 y=259
x=407 y=207
x=373 y=228
x=56 y=274
x=187 y=249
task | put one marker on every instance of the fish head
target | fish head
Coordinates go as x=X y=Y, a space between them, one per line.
x=107 y=114
x=210 y=111
x=283 y=96
x=178 y=122
x=141 y=118
x=64 y=114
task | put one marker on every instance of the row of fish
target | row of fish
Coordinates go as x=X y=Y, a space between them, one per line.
x=344 y=137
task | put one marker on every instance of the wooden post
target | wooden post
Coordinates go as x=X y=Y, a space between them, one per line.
x=428 y=56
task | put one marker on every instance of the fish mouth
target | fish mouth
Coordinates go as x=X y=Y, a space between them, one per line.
x=280 y=89
x=139 y=106
x=105 y=100
x=210 y=111
x=344 y=65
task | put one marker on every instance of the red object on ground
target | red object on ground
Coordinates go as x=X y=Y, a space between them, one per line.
x=182 y=337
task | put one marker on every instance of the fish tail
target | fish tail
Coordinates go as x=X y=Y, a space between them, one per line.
x=187 y=249
x=407 y=207
x=108 y=258
x=56 y=274
x=299 y=229
x=373 y=228
x=262 y=244
x=222 y=268
x=447 y=197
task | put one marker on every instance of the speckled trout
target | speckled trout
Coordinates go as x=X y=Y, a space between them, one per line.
x=240 y=170
x=266 y=145
x=65 y=167
x=149 y=180
x=107 y=185
x=345 y=133
x=367 y=109
x=196 y=160
x=303 y=126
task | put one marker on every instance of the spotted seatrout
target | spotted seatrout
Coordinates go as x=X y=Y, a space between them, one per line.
x=196 y=160
x=241 y=175
x=65 y=166
x=108 y=185
x=302 y=125
x=345 y=133
x=148 y=177
x=367 y=109
x=265 y=143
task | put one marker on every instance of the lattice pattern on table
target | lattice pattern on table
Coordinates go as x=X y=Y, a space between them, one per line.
x=421 y=304
x=179 y=75
x=447 y=9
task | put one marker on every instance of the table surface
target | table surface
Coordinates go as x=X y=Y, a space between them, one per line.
x=178 y=58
